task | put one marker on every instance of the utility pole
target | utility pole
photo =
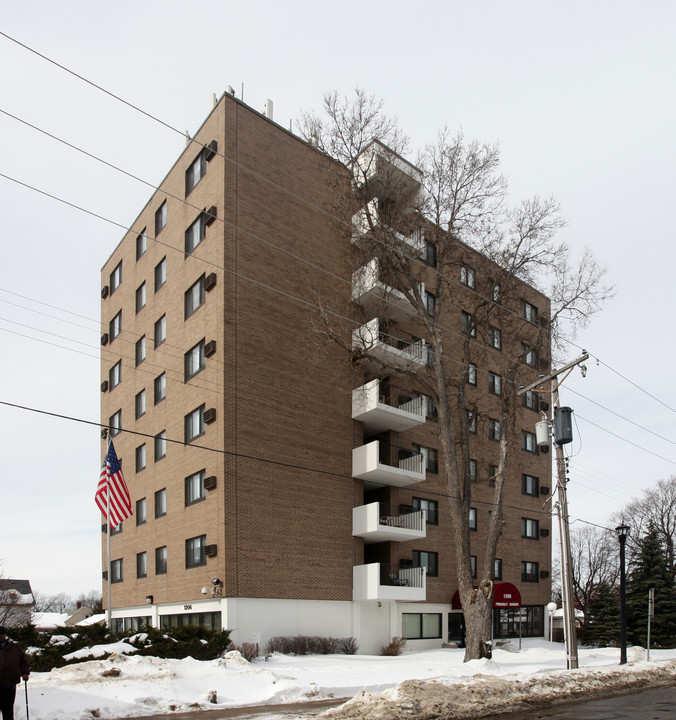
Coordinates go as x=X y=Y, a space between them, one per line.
x=569 y=631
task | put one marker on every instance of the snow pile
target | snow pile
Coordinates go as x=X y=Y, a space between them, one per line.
x=415 y=684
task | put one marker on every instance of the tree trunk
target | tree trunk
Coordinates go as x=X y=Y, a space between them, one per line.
x=477 y=610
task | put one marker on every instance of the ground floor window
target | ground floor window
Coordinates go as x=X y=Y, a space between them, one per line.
x=210 y=620
x=527 y=621
x=416 y=626
x=122 y=625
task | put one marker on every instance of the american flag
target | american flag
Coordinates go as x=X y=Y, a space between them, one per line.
x=112 y=481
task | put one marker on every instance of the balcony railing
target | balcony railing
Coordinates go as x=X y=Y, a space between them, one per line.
x=386 y=464
x=381 y=406
x=395 y=348
x=368 y=220
x=378 y=522
x=373 y=293
x=378 y=581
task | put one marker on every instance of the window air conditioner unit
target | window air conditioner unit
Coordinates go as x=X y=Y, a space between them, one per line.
x=104 y=574
x=544 y=321
x=210 y=215
x=544 y=405
x=544 y=490
x=104 y=528
x=210 y=281
x=104 y=339
x=211 y=550
x=210 y=348
x=544 y=364
x=210 y=150
x=544 y=574
x=544 y=532
x=104 y=292
x=210 y=482
x=209 y=415
x=104 y=386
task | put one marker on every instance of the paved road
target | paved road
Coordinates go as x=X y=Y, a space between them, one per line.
x=656 y=704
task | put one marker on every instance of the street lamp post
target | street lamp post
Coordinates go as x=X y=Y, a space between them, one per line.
x=622 y=534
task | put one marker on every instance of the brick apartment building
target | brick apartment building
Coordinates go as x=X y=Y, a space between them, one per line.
x=269 y=496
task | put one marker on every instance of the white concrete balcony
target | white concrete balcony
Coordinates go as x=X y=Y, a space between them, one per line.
x=378 y=581
x=368 y=223
x=381 y=407
x=377 y=522
x=370 y=293
x=394 y=349
x=385 y=464
x=383 y=172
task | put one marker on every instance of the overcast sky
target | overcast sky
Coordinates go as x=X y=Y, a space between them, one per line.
x=580 y=96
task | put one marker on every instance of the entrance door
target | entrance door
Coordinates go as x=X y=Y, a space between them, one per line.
x=456 y=628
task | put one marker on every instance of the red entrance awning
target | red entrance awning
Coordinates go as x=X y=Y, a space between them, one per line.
x=505 y=595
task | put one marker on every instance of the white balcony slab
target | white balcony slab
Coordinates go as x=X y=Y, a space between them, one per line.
x=379 y=523
x=366 y=584
x=368 y=407
x=366 y=465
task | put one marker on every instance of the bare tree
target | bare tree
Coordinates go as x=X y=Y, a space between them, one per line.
x=595 y=563
x=655 y=509
x=92 y=599
x=58 y=603
x=461 y=200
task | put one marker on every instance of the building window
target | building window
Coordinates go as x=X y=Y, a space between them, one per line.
x=492 y=475
x=497 y=569
x=141 y=244
x=141 y=512
x=430 y=355
x=141 y=458
x=160 y=388
x=429 y=254
x=160 y=332
x=194 y=360
x=430 y=458
x=529 y=312
x=195 y=554
x=161 y=503
x=141 y=564
x=115 y=326
x=467 y=276
x=494 y=383
x=430 y=303
x=116 y=530
x=194 y=424
x=195 y=172
x=471 y=374
x=115 y=375
x=495 y=338
x=160 y=218
x=194 y=297
x=116 y=277
x=497 y=294
x=116 y=571
x=529 y=355
x=530 y=529
x=493 y=429
x=472 y=470
x=468 y=326
x=472 y=565
x=160 y=273
x=428 y=560
x=140 y=350
x=115 y=423
x=530 y=400
x=431 y=508
x=421 y=626
x=140 y=404
x=529 y=571
x=472 y=519
x=140 y=297
x=194 y=235
x=160 y=445
x=194 y=488
x=530 y=485
x=161 y=560
x=471 y=421
x=529 y=442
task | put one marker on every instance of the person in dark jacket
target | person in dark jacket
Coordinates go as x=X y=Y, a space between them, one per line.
x=13 y=667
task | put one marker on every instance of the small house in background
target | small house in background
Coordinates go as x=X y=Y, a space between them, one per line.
x=16 y=602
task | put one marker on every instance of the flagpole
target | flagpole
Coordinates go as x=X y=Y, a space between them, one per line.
x=108 y=563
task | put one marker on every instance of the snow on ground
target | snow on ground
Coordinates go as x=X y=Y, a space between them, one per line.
x=128 y=686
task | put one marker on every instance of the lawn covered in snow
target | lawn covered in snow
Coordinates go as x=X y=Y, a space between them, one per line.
x=128 y=686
